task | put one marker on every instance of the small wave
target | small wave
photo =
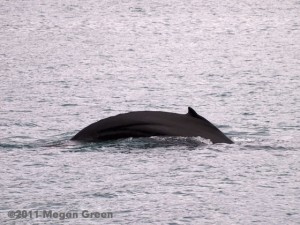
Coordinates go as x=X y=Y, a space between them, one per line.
x=128 y=144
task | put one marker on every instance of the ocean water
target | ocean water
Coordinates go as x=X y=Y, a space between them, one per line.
x=66 y=64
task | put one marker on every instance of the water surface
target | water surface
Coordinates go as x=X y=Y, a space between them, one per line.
x=64 y=65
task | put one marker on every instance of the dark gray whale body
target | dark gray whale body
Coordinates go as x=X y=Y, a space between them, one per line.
x=151 y=123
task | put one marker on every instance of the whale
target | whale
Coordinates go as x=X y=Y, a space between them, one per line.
x=151 y=123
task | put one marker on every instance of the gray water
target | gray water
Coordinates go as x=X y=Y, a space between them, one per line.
x=66 y=64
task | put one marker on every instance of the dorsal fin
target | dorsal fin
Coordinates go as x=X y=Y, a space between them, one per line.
x=193 y=113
